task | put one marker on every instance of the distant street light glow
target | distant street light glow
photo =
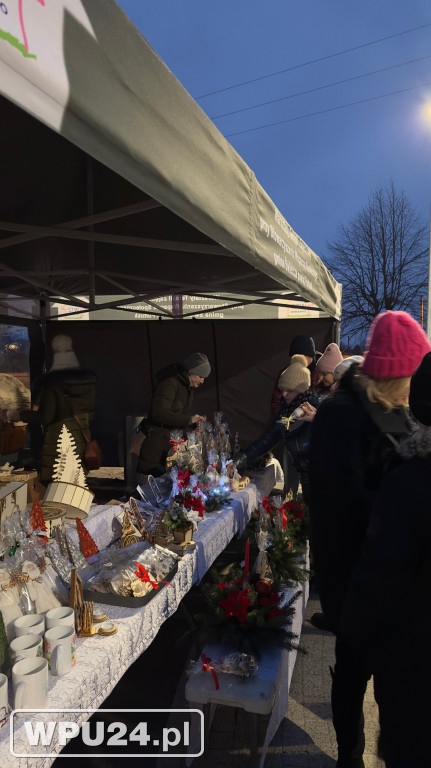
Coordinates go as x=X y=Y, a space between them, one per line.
x=425 y=113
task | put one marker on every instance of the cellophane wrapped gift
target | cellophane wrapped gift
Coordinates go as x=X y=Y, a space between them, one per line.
x=212 y=468
x=119 y=571
x=194 y=446
x=261 y=566
x=178 y=453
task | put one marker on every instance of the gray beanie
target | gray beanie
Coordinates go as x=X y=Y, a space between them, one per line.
x=198 y=364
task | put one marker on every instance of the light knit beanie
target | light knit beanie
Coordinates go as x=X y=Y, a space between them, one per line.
x=395 y=346
x=64 y=356
x=296 y=376
x=330 y=358
x=342 y=367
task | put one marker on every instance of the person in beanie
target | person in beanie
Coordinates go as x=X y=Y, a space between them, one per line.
x=353 y=442
x=325 y=366
x=345 y=364
x=390 y=588
x=300 y=345
x=171 y=408
x=294 y=385
x=65 y=392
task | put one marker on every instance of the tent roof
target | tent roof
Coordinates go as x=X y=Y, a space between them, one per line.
x=118 y=183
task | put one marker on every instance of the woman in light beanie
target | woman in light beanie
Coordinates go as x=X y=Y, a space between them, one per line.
x=171 y=408
x=353 y=442
x=66 y=391
x=295 y=389
x=393 y=575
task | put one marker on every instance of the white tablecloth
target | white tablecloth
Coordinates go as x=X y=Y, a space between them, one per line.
x=102 y=661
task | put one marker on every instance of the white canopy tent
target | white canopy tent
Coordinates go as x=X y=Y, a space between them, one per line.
x=118 y=191
x=115 y=182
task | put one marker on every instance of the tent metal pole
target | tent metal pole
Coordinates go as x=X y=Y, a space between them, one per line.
x=90 y=228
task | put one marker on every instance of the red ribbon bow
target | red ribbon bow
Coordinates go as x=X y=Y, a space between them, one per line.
x=143 y=574
x=208 y=667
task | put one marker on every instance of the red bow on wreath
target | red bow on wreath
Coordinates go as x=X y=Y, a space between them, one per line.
x=143 y=574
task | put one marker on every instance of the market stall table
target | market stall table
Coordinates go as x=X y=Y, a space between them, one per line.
x=265 y=693
x=102 y=661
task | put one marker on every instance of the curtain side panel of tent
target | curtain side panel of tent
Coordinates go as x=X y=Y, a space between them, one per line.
x=245 y=356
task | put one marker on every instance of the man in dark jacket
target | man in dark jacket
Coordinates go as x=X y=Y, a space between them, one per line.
x=171 y=408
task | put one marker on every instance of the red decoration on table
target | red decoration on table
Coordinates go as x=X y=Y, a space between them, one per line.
x=176 y=443
x=263 y=587
x=143 y=574
x=183 y=478
x=37 y=520
x=236 y=604
x=207 y=667
x=88 y=545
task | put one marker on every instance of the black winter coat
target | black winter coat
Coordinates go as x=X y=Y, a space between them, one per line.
x=386 y=611
x=171 y=408
x=351 y=447
x=64 y=393
x=296 y=440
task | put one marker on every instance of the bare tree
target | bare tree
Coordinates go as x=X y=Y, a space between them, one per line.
x=380 y=259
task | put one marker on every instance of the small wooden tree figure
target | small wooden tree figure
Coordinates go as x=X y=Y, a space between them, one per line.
x=88 y=545
x=67 y=466
x=37 y=520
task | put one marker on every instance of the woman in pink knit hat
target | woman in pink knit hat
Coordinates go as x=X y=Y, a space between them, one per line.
x=326 y=364
x=354 y=438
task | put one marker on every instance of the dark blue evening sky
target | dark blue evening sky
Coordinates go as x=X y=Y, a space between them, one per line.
x=319 y=170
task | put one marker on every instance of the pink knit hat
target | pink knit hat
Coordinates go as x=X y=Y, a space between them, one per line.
x=395 y=346
x=330 y=358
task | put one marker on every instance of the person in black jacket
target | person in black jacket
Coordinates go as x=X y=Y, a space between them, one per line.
x=353 y=440
x=171 y=408
x=300 y=345
x=294 y=386
x=385 y=612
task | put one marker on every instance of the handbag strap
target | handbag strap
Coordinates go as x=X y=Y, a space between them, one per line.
x=84 y=434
